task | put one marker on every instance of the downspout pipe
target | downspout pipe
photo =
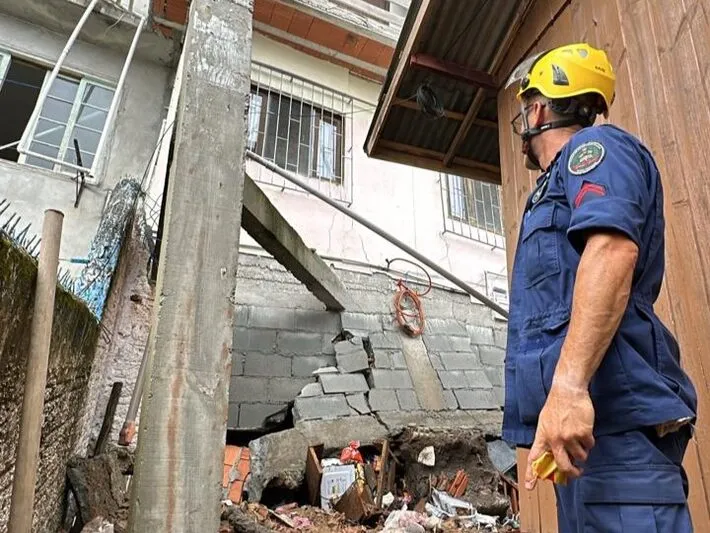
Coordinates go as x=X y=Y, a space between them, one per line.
x=382 y=233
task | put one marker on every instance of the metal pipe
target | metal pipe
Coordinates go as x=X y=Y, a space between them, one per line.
x=53 y=76
x=128 y=431
x=382 y=233
x=25 y=477
x=117 y=96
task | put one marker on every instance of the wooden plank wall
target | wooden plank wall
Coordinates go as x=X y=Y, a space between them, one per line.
x=661 y=52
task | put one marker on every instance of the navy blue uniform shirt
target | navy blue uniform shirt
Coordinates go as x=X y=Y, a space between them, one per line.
x=603 y=179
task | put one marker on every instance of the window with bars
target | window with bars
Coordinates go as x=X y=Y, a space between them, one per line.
x=75 y=110
x=472 y=209
x=296 y=135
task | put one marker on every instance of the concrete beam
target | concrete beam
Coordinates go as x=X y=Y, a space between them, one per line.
x=270 y=229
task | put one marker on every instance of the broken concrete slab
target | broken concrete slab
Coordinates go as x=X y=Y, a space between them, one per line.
x=351 y=356
x=429 y=394
x=310 y=390
x=343 y=383
x=319 y=407
x=358 y=402
x=383 y=400
x=278 y=460
x=488 y=423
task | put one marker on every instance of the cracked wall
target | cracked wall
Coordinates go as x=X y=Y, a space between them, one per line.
x=283 y=335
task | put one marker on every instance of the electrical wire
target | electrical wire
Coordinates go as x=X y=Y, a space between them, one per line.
x=406 y=294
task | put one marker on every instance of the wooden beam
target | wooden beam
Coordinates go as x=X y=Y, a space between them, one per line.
x=455 y=71
x=270 y=229
x=425 y=9
x=433 y=160
x=179 y=466
x=477 y=102
x=453 y=115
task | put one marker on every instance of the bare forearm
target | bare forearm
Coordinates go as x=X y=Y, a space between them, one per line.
x=601 y=294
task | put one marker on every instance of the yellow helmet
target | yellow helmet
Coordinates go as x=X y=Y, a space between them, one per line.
x=567 y=71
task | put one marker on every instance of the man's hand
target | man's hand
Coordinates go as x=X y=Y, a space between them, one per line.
x=565 y=428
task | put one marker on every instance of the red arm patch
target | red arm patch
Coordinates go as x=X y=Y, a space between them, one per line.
x=588 y=188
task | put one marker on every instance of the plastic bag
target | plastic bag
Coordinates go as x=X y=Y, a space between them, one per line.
x=351 y=454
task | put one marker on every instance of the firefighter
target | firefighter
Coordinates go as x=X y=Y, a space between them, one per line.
x=592 y=374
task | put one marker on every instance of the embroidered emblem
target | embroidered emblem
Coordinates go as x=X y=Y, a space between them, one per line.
x=586 y=158
x=588 y=188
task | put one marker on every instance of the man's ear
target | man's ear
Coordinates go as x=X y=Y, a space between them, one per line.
x=537 y=116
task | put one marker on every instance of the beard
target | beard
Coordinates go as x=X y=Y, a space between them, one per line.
x=531 y=162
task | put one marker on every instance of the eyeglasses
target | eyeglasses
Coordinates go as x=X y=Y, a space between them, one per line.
x=518 y=122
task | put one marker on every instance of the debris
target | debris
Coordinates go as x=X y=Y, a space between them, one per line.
x=387 y=500
x=325 y=370
x=241 y=521
x=356 y=503
x=458 y=486
x=351 y=454
x=459 y=452
x=427 y=456
x=99 y=487
x=236 y=472
x=283 y=518
x=335 y=481
x=502 y=456
x=98 y=525
x=445 y=506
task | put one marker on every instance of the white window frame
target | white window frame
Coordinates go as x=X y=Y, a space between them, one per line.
x=5 y=58
x=60 y=166
x=497 y=289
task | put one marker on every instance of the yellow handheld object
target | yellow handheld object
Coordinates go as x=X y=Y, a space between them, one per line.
x=545 y=467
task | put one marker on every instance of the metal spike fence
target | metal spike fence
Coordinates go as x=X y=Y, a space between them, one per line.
x=20 y=232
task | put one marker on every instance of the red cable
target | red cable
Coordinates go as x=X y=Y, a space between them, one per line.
x=403 y=294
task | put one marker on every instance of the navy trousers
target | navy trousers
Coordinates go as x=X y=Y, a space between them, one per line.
x=632 y=483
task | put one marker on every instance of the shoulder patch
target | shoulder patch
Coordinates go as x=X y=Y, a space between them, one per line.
x=585 y=158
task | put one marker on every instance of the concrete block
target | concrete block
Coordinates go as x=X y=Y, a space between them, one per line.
x=254 y=340
x=272 y=318
x=447 y=343
x=241 y=317
x=289 y=342
x=455 y=379
x=450 y=399
x=383 y=360
x=233 y=416
x=500 y=338
x=270 y=365
x=439 y=307
x=473 y=312
x=349 y=346
x=496 y=375
x=446 y=326
x=499 y=393
x=436 y=362
x=304 y=365
x=361 y=322
x=391 y=379
x=389 y=322
x=460 y=361
x=353 y=362
x=408 y=399
x=398 y=361
x=387 y=341
x=477 y=379
x=358 y=402
x=252 y=415
x=286 y=389
x=480 y=334
x=335 y=383
x=248 y=389
x=319 y=407
x=327 y=347
x=312 y=389
x=492 y=355
x=383 y=400
x=237 y=363
x=318 y=321
x=476 y=399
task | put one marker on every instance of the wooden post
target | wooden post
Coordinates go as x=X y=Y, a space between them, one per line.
x=181 y=438
x=25 y=476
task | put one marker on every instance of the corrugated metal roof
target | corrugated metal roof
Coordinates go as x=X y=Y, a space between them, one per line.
x=468 y=33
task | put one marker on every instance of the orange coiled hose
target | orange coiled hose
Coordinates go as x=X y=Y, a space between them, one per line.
x=406 y=298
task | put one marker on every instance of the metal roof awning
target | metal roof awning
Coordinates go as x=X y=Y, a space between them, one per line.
x=456 y=49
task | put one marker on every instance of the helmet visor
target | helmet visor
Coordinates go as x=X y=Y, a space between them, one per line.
x=523 y=69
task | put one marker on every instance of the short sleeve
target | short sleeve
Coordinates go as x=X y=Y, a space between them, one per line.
x=606 y=184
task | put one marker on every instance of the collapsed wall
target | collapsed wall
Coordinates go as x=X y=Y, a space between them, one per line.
x=283 y=334
x=74 y=336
